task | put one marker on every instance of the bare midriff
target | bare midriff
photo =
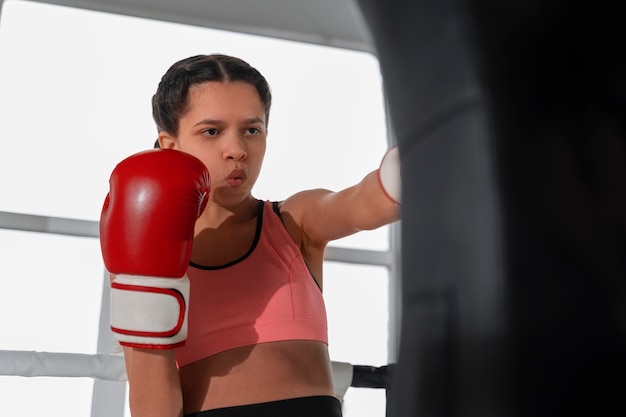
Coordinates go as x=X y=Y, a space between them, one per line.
x=259 y=373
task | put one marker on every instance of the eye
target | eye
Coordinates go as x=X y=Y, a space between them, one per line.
x=253 y=131
x=210 y=132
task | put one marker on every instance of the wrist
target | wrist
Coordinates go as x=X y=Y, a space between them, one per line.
x=149 y=312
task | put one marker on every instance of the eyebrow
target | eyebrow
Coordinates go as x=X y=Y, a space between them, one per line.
x=215 y=122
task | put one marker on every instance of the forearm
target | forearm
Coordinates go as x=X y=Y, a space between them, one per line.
x=364 y=206
x=324 y=216
x=378 y=196
x=154 y=383
x=372 y=206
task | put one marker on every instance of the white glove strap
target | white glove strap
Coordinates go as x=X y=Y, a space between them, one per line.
x=149 y=312
x=389 y=175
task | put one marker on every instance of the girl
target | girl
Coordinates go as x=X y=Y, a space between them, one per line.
x=257 y=338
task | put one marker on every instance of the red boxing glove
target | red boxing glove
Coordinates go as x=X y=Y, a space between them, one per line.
x=146 y=235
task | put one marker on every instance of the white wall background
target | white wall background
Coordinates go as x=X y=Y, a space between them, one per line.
x=75 y=89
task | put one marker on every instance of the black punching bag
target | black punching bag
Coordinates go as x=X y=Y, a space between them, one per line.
x=510 y=117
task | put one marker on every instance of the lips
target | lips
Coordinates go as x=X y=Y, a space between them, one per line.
x=236 y=178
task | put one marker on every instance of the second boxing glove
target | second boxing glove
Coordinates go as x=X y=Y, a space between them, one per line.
x=146 y=234
x=389 y=175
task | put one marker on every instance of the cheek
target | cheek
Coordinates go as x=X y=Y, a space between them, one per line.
x=198 y=151
x=262 y=152
x=259 y=156
x=210 y=163
x=259 y=163
x=260 y=147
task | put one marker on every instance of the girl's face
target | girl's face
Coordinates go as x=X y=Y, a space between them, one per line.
x=224 y=128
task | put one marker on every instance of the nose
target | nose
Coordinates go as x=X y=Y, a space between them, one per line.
x=235 y=148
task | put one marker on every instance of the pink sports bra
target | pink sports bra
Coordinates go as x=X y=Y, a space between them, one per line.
x=267 y=295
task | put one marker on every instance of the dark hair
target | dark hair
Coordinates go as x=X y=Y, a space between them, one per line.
x=170 y=102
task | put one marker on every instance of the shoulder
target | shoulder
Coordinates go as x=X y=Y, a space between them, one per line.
x=301 y=214
x=303 y=204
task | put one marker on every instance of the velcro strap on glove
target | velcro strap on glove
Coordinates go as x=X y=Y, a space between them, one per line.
x=149 y=312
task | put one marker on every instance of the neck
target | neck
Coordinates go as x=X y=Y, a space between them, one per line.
x=216 y=214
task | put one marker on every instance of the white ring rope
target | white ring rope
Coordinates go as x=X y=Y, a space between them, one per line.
x=109 y=367
x=106 y=366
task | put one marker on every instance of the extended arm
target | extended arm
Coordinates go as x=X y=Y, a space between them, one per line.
x=323 y=215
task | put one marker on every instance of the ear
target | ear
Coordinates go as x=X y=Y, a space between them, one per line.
x=166 y=141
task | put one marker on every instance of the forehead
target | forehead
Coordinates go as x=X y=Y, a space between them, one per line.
x=221 y=94
x=224 y=103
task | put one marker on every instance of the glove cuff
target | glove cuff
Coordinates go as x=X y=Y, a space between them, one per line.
x=149 y=312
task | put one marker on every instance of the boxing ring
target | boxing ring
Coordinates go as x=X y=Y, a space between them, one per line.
x=107 y=368
x=511 y=123
x=110 y=367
